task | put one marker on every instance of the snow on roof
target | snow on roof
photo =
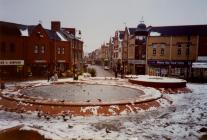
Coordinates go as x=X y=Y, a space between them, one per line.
x=199 y=65
x=155 y=34
x=61 y=37
x=24 y=32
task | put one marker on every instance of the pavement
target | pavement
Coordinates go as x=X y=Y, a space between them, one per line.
x=100 y=72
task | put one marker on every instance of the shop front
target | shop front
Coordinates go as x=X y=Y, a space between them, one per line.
x=136 y=67
x=39 y=68
x=158 y=68
x=11 y=69
x=199 y=71
x=179 y=69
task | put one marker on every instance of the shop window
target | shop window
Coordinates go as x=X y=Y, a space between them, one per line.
x=58 y=50
x=43 y=49
x=36 y=49
x=12 y=47
x=63 y=51
x=3 y=47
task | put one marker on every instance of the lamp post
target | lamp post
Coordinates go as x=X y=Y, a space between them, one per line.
x=75 y=76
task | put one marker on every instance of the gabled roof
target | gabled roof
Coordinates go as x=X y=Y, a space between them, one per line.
x=132 y=30
x=7 y=28
x=180 y=30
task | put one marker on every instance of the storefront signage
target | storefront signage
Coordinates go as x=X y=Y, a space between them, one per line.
x=157 y=62
x=61 y=61
x=40 y=61
x=11 y=62
x=136 y=61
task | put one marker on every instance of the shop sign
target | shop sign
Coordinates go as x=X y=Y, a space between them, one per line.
x=61 y=61
x=136 y=61
x=168 y=62
x=40 y=61
x=11 y=62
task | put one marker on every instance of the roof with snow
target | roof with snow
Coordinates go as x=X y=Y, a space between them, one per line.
x=14 y=29
x=180 y=30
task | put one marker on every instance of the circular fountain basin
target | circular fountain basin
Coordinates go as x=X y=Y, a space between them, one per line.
x=88 y=93
x=85 y=98
x=159 y=82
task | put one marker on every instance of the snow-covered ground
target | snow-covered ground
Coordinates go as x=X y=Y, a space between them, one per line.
x=181 y=120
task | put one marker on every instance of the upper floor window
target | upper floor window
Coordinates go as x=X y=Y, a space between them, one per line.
x=154 y=46
x=58 y=50
x=187 y=51
x=63 y=50
x=36 y=49
x=42 y=49
x=162 y=50
x=179 y=49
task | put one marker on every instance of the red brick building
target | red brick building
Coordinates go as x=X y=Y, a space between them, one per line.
x=26 y=50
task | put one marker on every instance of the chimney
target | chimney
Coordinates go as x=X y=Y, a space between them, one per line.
x=55 y=25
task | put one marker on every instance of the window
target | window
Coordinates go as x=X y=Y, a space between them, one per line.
x=58 y=50
x=3 y=47
x=42 y=49
x=179 y=49
x=154 y=51
x=162 y=50
x=154 y=46
x=36 y=49
x=12 y=47
x=63 y=51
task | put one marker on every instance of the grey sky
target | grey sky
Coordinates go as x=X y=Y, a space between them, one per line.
x=98 y=19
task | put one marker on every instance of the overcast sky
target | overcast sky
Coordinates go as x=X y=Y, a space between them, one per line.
x=98 y=19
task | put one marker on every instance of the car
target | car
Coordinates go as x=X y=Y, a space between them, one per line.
x=106 y=68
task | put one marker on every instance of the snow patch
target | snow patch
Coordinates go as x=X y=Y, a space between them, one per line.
x=24 y=32
x=93 y=109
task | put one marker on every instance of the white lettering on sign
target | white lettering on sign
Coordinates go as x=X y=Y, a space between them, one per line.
x=11 y=62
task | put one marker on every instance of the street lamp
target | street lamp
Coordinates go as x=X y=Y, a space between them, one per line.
x=75 y=76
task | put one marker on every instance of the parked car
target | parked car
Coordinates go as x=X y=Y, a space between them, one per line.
x=106 y=68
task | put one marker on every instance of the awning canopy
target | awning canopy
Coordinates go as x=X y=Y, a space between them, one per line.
x=200 y=65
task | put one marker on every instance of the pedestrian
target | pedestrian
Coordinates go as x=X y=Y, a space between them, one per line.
x=115 y=71
x=48 y=75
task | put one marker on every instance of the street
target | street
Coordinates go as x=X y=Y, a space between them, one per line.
x=100 y=72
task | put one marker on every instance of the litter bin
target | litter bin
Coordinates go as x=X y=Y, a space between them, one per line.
x=2 y=84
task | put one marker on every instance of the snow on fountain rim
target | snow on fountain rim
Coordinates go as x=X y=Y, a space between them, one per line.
x=149 y=93
x=157 y=79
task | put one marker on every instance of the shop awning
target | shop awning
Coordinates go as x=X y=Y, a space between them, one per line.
x=200 y=65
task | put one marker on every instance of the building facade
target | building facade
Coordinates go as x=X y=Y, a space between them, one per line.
x=33 y=51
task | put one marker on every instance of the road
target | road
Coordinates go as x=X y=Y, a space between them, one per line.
x=100 y=72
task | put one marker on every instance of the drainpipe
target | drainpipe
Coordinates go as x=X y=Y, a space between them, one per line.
x=171 y=45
